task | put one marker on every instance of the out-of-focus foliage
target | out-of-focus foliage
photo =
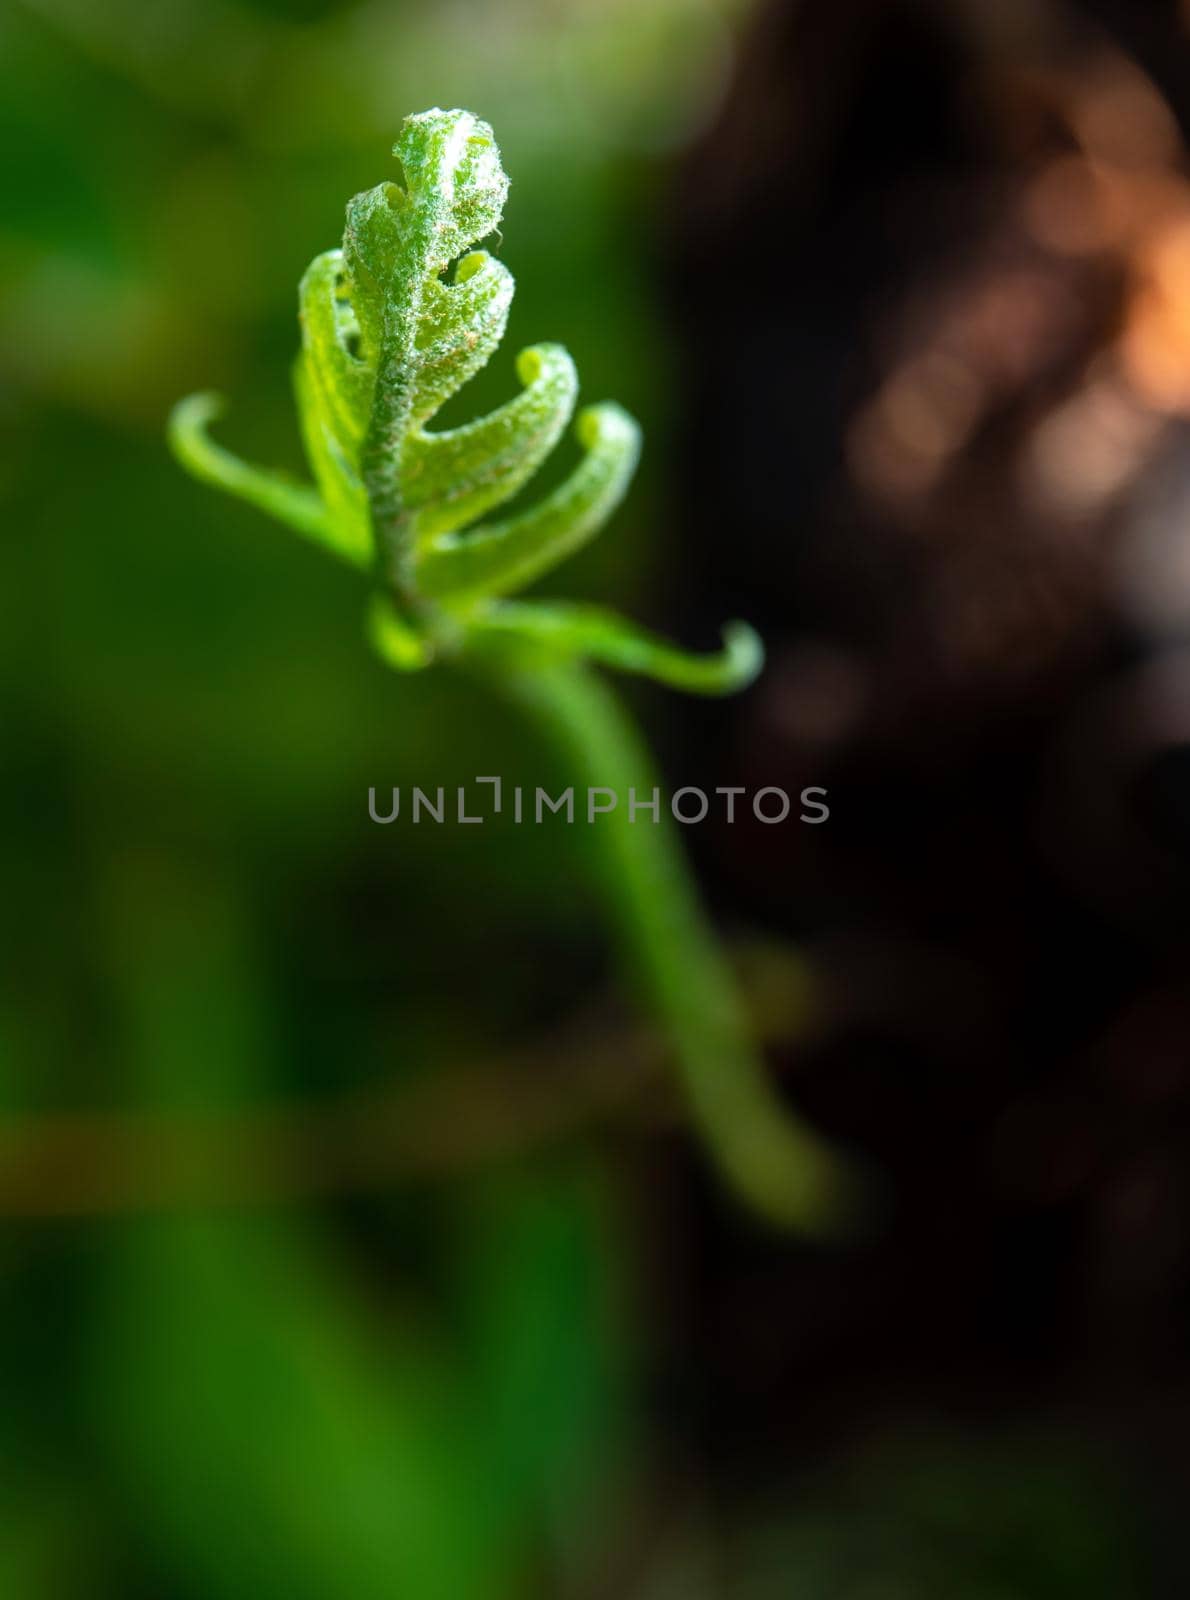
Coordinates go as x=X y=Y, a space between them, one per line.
x=197 y=911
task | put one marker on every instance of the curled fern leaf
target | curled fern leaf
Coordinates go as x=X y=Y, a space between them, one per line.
x=394 y=323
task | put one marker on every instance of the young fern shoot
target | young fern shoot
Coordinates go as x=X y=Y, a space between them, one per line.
x=393 y=324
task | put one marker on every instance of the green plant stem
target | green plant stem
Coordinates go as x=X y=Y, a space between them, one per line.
x=774 y=1161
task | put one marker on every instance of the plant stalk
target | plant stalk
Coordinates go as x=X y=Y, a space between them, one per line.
x=781 y=1167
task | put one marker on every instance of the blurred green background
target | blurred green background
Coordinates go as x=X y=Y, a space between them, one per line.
x=424 y=1395
x=439 y=1375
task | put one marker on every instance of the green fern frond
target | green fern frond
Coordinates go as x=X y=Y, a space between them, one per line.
x=393 y=324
